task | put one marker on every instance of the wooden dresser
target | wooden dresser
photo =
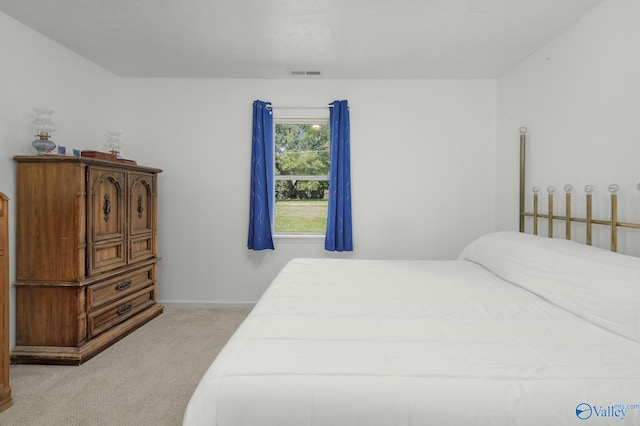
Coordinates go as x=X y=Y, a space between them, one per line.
x=5 y=389
x=86 y=256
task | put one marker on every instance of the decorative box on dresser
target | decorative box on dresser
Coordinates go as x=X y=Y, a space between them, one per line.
x=5 y=389
x=87 y=256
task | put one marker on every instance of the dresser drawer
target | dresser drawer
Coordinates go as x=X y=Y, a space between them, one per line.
x=104 y=318
x=116 y=288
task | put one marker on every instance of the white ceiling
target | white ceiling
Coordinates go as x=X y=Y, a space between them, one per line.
x=269 y=38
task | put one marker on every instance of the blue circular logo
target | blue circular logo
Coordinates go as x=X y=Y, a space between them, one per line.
x=584 y=411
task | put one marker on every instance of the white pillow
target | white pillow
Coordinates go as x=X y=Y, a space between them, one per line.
x=599 y=285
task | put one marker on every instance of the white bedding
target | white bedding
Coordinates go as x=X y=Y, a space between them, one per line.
x=370 y=342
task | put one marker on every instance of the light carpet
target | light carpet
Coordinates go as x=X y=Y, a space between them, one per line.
x=146 y=378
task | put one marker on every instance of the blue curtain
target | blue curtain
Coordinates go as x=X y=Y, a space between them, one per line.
x=338 y=237
x=262 y=190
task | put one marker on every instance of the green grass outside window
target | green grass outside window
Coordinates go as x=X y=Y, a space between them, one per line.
x=301 y=216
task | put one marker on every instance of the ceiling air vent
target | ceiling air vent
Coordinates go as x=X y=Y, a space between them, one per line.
x=304 y=73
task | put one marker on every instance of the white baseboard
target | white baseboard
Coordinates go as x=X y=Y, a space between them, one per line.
x=205 y=305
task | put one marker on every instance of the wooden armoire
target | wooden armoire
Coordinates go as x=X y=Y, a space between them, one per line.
x=5 y=388
x=86 y=240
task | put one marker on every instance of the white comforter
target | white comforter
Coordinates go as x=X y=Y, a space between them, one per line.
x=394 y=343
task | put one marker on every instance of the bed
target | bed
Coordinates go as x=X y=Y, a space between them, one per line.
x=520 y=329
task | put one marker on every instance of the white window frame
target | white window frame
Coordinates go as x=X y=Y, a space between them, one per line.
x=296 y=119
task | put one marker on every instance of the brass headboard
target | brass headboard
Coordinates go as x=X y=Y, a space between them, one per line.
x=568 y=219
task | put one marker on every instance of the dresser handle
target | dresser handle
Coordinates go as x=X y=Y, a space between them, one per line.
x=123 y=285
x=125 y=308
x=140 y=206
x=106 y=207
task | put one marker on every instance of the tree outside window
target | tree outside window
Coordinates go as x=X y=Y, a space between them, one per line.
x=301 y=176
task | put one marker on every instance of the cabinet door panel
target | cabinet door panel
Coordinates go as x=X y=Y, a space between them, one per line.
x=141 y=216
x=140 y=248
x=106 y=225
x=51 y=222
x=107 y=255
x=40 y=321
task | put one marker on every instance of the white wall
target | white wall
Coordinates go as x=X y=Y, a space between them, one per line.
x=422 y=165
x=579 y=96
x=421 y=150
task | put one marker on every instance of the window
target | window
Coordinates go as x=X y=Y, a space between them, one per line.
x=301 y=175
x=305 y=149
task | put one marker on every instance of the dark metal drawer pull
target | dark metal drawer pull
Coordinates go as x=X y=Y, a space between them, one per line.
x=123 y=285
x=125 y=308
x=106 y=207
x=140 y=206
